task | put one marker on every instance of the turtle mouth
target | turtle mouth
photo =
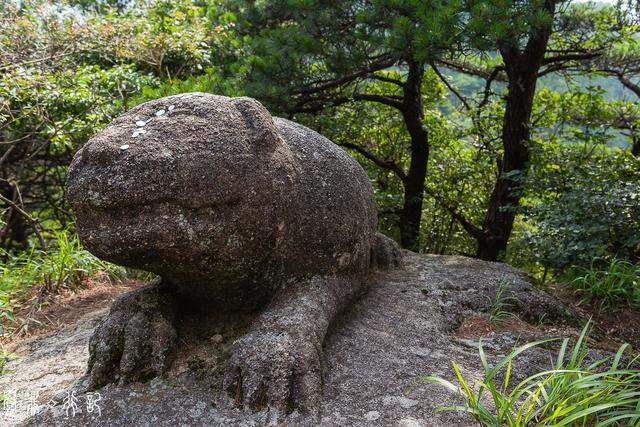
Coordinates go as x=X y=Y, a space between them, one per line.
x=148 y=234
x=115 y=205
x=96 y=191
x=198 y=181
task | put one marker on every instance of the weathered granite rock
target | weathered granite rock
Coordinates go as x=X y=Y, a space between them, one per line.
x=216 y=195
x=235 y=211
x=402 y=329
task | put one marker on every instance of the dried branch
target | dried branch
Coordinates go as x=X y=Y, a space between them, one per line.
x=383 y=163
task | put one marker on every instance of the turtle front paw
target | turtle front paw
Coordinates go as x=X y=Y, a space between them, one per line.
x=136 y=339
x=275 y=370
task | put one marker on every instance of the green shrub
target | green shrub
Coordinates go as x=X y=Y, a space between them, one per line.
x=574 y=392
x=212 y=81
x=614 y=284
x=583 y=204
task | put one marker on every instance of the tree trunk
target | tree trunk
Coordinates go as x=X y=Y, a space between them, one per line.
x=413 y=196
x=500 y=214
x=522 y=71
x=635 y=147
x=414 y=181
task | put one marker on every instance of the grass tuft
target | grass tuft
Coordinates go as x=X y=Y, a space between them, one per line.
x=617 y=285
x=573 y=392
x=501 y=305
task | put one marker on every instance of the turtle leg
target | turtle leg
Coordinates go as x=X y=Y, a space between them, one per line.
x=277 y=364
x=135 y=341
x=385 y=253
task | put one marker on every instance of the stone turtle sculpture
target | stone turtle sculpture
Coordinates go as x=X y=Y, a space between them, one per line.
x=235 y=211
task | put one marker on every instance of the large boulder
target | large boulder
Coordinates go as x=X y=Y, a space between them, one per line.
x=406 y=327
x=210 y=190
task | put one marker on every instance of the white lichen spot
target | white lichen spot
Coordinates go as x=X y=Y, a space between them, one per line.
x=233 y=241
x=167 y=153
x=344 y=259
x=124 y=147
x=94 y=197
x=401 y=401
x=171 y=107
x=410 y=422
x=160 y=112
x=372 y=415
x=420 y=351
x=140 y=123
x=186 y=226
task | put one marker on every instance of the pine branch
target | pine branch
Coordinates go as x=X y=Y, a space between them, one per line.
x=383 y=163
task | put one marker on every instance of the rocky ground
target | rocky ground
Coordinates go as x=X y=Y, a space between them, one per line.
x=411 y=323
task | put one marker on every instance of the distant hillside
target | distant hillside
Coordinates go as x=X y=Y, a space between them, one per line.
x=472 y=86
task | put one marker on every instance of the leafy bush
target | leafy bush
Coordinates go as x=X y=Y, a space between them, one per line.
x=170 y=39
x=212 y=81
x=574 y=392
x=166 y=38
x=584 y=204
x=617 y=284
x=65 y=107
